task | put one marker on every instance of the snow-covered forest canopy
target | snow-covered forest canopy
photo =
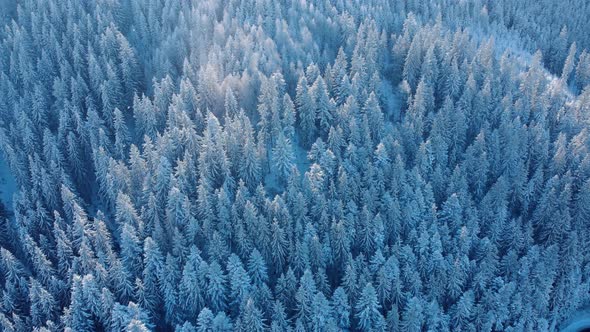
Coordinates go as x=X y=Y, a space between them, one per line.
x=294 y=165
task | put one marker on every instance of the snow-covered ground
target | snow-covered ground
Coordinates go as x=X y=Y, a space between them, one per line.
x=580 y=322
x=391 y=100
x=7 y=184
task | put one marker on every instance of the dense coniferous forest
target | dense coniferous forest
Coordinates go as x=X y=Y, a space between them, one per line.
x=294 y=165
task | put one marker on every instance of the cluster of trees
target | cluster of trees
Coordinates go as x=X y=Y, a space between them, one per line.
x=546 y=25
x=293 y=166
